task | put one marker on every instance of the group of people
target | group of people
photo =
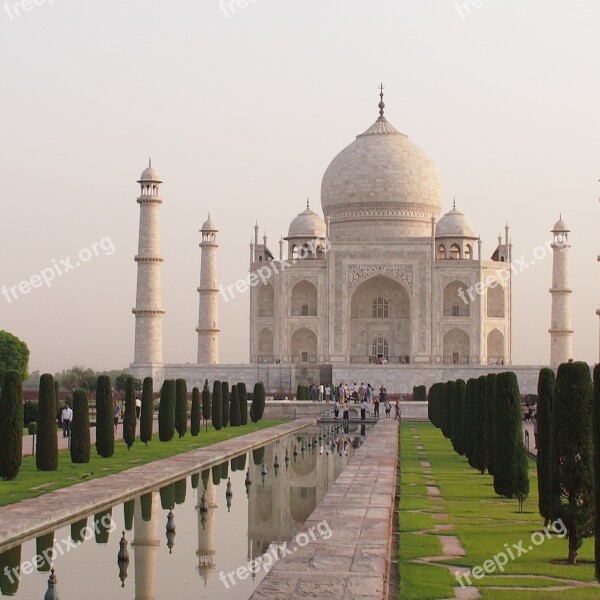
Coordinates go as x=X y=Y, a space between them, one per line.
x=364 y=395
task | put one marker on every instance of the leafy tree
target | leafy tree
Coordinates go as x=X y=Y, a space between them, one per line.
x=511 y=477
x=196 y=412
x=166 y=411
x=490 y=403
x=76 y=377
x=217 y=406
x=147 y=412
x=11 y=424
x=46 y=456
x=243 y=399
x=596 y=439
x=130 y=418
x=80 y=428
x=105 y=429
x=14 y=355
x=479 y=437
x=206 y=404
x=225 y=402
x=258 y=402
x=181 y=407
x=571 y=421
x=545 y=455
x=234 y=407
x=122 y=379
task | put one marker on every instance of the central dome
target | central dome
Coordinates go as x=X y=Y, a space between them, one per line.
x=384 y=181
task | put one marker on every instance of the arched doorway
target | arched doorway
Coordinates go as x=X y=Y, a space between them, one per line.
x=304 y=346
x=456 y=347
x=495 y=347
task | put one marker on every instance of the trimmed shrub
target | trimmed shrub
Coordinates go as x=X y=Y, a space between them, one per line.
x=46 y=456
x=206 y=404
x=105 y=428
x=181 y=407
x=11 y=425
x=234 y=408
x=490 y=403
x=80 y=428
x=225 y=403
x=545 y=458
x=258 y=402
x=130 y=418
x=479 y=437
x=166 y=411
x=571 y=422
x=243 y=399
x=147 y=412
x=196 y=413
x=217 y=406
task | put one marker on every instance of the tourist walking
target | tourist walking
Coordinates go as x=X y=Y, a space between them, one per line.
x=397 y=417
x=376 y=407
x=363 y=410
x=116 y=413
x=388 y=408
x=66 y=418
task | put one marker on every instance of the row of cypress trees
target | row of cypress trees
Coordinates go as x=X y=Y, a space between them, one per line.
x=482 y=418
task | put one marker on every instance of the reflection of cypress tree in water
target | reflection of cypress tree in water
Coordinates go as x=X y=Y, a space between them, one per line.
x=180 y=491
x=10 y=562
x=43 y=548
x=146 y=505
x=128 y=508
x=241 y=464
x=258 y=455
x=205 y=478
x=167 y=497
x=225 y=470
x=78 y=529
x=216 y=475
x=102 y=522
x=195 y=480
x=234 y=464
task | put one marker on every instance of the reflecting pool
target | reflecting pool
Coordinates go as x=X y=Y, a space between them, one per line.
x=198 y=538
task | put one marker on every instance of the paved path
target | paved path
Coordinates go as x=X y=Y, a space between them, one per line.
x=354 y=562
x=36 y=516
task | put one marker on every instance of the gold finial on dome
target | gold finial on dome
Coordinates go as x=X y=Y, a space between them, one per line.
x=307 y=202
x=381 y=103
x=454 y=203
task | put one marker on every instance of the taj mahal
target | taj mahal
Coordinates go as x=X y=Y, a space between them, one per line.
x=382 y=287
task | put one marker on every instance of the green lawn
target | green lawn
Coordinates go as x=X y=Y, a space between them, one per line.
x=484 y=523
x=30 y=482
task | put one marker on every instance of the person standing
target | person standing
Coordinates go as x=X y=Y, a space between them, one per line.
x=66 y=417
x=388 y=408
x=327 y=392
x=116 y=413
x=138 y=407
x=336 y=409
x=363 y=410
x=346 y=411
x=321 y=389
x=397 y=417
x=376 y=407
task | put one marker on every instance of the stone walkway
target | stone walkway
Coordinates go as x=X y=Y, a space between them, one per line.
x=35 y=516
x=353 y=564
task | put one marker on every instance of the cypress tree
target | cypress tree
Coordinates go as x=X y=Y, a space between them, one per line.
x=196 y=413
x=43 y=546
x=105 y=428
x=57 y=396
x=205 y=478
x=46 y=455
x=166 y=411
x=241 y=464
x=457 y=416
x=167 y=494
x=234 y=407
x=206 y=404
x=490 y=403
x=470 y=407
x=130 y=418
x=479 y=438
x=10 y=571
x=545 y=456
x=147 y=413
x=596 y=440
x=102 y=524
x=225 y=470
x=80 y=429
x=128 y=512
x=446 y=392
x=180 y=491
x=258 y=455
x=299 y=392
x=225 y=403
x=78 y=530
x=461 y=396
x=216 y=474
x=243 y=399
x=258 y=402
x=181 y=407
x=146 y=506
x=217 y=406
x=195 y=480
x=510 y=460
x=11 y=425
x=571 y=421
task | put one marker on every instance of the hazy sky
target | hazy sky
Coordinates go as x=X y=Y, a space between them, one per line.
x=243 y=113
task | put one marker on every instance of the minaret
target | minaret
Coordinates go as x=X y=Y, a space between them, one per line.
x=208 y=320
x=145 y=548
x=561 y=334
x=148 y=308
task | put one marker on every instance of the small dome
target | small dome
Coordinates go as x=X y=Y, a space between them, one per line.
x=560 y=226
x=209 y=225
x=454 y=224
x=149 y=175
x=307 y=224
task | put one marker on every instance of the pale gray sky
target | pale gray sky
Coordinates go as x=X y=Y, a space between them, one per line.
x=243 y=113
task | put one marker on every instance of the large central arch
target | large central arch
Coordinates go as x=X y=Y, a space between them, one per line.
x=379 y=310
